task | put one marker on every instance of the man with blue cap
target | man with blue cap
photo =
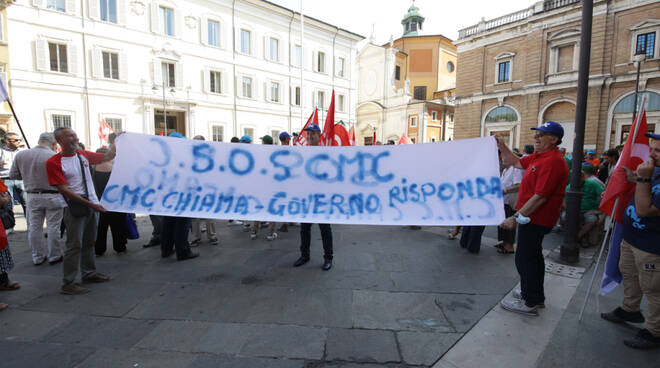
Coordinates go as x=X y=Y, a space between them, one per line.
x=246 y=139
x=285 y=138
x=640 y=254
x=539 y=206
x=313 y=139
x=592 y=159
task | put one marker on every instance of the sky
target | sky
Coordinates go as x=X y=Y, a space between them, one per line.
x=443 y=17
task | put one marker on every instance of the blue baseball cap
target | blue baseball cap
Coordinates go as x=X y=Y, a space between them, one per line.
x=591 y=152
x=313 y=128
x=551 y=127
x=246 y=139
x=654 y=136
x=176 y=135
x=284 y=135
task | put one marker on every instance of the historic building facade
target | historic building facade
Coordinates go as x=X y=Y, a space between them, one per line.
x=218 y=68
x=407 y=86
x=519 y=70
x=7 y=122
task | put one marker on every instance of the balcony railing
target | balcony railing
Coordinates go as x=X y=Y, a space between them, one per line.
x=484 y=26
x=554 y=4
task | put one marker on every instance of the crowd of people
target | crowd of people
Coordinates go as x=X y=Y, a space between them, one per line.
x=64 y=190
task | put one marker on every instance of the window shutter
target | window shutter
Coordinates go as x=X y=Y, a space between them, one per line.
x=38 y=3
x=97 y=63
x=178 y=23
x=157 y=70
x=42 y=54
x=237 y=39
x=123 y=67
x=223 y=83
x=178 y=75
x=266 y=48
x=204 y=29
x=315 y=61
x=73 y=58
x=223 y=35
x=206 y=80
x=121 y=12
x=93 y=9
x=71 y=6
x=155 y=18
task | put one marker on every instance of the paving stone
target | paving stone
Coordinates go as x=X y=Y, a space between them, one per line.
x=425 y=348
x=109 y=358
x=212 y=361
x=181 y=336
x=463 y=311
x=105 y=299
x=398 y=311
x=20 y=325
x=285 y=341
x=30 y=354
x=102 y=331
x=367 y=346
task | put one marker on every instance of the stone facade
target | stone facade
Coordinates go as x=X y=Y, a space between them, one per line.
x=519 y=70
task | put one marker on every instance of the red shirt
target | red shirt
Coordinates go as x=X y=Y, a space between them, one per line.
x=66 y=170
x=546 y=174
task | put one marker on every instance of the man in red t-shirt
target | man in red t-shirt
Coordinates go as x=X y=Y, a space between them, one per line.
x=69 y=172
x=539 y=206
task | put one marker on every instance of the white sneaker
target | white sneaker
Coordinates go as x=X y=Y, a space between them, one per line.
x=253 y=236
x=518 y=306
x=235 y=222
x=271 y=237
x=517 y=294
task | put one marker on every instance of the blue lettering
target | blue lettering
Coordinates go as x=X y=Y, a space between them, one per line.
x=166 y=198
x=294 y=207
x=446 y=187
x=496 y=186
x=395 y=193
x=145 y=202
x=106 y=193
x=207 y=202
x=465 y=187
x=428 y=190
x=286 y=169
x=279 y=211
x=183 y=202
x=414 y=194
x=373 y=203
x=356 y=203
x=242 y=205
x=482 y=187
x=166 y=153
x=133 y=193
x=336 y=201
x=318 y=203
x=249 y=165
x=202 y=154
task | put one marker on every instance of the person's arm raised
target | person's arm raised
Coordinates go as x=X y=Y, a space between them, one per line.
x=508 y=157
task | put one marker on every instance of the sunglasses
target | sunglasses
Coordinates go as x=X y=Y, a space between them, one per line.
x=13 y=140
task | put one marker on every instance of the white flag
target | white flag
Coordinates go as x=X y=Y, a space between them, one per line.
x=3 y=90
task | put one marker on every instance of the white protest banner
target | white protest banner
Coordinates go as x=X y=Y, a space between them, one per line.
x=450 y=183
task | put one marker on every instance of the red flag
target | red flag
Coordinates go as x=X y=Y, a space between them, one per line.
x=404 y=139
x=351 y=135
x=161 y=133
x=341 y=136
x=302 y=137
x=635 y=151
x=373 y=143
x=329 y=128
x=104 y=131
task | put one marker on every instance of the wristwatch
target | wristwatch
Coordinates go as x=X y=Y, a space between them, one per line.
x=521 y=219
x=642 y=180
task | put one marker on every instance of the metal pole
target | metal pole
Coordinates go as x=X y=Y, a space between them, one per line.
x=164 y=108
x=570 y=251
x=600 y=256
x=302 y=62
x=18 y=123
x=639 y=69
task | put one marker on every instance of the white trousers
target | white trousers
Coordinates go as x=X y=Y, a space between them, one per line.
x=49 y=207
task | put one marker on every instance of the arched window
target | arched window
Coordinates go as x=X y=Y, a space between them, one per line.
x=625 y=106
x=502 y=114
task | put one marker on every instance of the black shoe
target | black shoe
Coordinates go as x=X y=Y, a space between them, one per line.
x=190 y=255
x=619 y=316
x=327 y=265
x=301 y=261
x=166 y=254
x=152 y=243
x=643 y=340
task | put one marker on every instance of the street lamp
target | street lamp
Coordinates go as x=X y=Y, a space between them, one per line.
x=155 y=88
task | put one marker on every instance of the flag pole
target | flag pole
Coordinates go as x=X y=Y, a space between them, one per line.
x=607 y=237
x=614 y=211
x=18 y=123
x=302 y=61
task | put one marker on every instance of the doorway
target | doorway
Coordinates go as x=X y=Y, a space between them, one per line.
x=175 y=122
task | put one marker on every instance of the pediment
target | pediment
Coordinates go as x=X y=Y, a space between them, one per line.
x=167 y=52
x=505 y=55
x=648 y=23
x=565 y=33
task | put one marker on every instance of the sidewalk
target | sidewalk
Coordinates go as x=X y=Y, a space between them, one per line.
x=394 y=297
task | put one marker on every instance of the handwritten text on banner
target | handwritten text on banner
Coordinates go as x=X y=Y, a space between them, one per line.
x=423 y=184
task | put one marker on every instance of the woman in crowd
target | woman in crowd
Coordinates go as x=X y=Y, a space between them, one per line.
x=511 y=178
x=115 y=220
x=6 y=261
